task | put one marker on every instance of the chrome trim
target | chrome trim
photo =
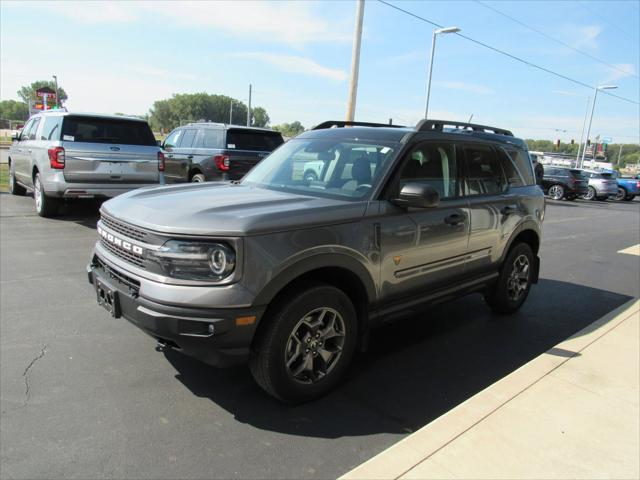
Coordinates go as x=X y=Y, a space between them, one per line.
x=132 y=241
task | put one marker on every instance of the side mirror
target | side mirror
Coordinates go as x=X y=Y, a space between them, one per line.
x=417 y=195
x=15 y=136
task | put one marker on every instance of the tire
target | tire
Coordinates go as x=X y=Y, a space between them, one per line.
x=198 y=178
x=14 y=188
x=292 y=336
x=506 y=296
x=556 y=192
x=45 y=206
x=621 y=195
x=310 y=176
x=590 y=195
x=629 y=198
x=570 y=197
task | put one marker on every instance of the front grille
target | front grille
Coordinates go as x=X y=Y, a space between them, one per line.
x=122 y=253
x=124 y=228
x=132 y=284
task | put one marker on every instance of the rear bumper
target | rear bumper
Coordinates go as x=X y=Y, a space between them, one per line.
x=55 y=185
x=208 y=334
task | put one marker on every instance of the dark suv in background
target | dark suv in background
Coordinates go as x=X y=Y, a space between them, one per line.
x=567 y=183
x=291 y=273
x=205 y=151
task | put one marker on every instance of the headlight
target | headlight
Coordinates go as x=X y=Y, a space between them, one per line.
x=195 y=260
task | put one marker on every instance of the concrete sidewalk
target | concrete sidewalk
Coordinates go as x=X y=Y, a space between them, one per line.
x=572 y=412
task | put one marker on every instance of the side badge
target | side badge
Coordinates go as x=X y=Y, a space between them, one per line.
x=397 y=259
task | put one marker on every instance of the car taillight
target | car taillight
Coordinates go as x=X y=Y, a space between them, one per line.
x=56 y=157
x=637 y=184
x=160 y=162
x=222 y=162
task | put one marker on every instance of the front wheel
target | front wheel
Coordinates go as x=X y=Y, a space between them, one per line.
x=198 y=178
x=45 y=206
x=307 y=344
x=14 y=187
x=629 y=198
x=513 y=284
x=556 y=192
x=591 y=194
x=621 y=195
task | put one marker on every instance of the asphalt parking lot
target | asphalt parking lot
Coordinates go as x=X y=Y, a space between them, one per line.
x=85 y=396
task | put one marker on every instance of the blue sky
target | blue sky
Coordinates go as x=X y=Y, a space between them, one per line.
x=121 y=56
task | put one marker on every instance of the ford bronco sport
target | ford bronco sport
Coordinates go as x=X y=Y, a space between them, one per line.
x=290 y=273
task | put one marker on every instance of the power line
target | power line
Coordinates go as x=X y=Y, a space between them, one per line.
x=513 y=57
x=549 y=37
x=599 y=15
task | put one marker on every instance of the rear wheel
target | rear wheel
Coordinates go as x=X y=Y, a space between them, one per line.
x=556 y=192
x=307 y=344
x=629 y=198
x=45 y=206
x=514 y=282
x=198 y=178
x=621 y=195
x=14 y=187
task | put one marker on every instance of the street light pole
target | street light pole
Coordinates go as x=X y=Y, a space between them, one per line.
x=584 y=125
x=57 y=94
x=437 y=31
x=593 y=107
x=355 y=62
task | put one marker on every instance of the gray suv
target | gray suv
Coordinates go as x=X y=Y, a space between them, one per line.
x=291 y=273
x=69 y=155
x=202 y=152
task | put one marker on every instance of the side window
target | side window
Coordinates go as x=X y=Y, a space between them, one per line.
x=34 y=129
x=173 y=139
x=24 y=135
x=187 y=138
x=435 y=164
x=51 y=128
x=517 y=166
x=485 y=175
x=211 y=138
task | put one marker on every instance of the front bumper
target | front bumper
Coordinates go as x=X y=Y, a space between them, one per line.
x=211 y=335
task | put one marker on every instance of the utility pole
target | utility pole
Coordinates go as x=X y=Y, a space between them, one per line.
x=57 y=93
x=231 y=114
x=355 y=62
x=249 y=109
x=619 y=153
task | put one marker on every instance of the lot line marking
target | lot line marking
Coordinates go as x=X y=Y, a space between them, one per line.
x=635 y=250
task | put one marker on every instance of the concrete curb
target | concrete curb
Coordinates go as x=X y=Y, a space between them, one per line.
x=400 y=458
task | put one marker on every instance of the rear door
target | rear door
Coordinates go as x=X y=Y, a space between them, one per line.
x=246 y=147
x=109 y=150
x=183 y=155
x=171 y=165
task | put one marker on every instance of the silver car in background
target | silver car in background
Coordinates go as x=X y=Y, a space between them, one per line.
x=68 y=155
x=602 y=185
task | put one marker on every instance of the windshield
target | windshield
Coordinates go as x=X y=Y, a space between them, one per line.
x=345 y=169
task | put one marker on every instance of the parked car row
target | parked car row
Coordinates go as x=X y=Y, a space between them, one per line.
x=570 y=183
x=60 y=155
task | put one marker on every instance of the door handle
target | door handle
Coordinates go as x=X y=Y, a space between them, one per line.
x=169 y=155
x=29 y=151
x=190 y=157
x=508 y=210
x=454 y=219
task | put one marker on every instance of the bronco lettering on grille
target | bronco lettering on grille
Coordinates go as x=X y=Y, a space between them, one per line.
x=118 y=242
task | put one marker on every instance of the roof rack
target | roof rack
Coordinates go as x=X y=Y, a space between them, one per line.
x=439 y=125
x=342 y=123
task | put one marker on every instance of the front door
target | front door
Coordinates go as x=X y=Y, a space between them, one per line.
x=424 y=249
x=171 y=163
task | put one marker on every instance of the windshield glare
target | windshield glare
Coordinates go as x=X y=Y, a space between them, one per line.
x=346 y=169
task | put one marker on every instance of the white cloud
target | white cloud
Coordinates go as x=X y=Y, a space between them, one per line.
x=466 y=87
x=292 y=22
x=623 y=70
x=151 y=71
x=584 y=37
x=293 y=64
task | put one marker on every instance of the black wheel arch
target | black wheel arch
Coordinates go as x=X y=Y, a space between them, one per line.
x=529 y=233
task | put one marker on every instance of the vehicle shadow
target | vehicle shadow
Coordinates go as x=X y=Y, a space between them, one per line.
x=415 y=370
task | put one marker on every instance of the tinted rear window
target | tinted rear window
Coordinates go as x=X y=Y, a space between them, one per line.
x=576 y=173
x=253 y=140
x=106 y=130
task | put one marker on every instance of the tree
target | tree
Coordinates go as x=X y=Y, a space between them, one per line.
x=290 y=129
x=259 y=117
x=28 y=92
x=13 y=110
x=184 y=108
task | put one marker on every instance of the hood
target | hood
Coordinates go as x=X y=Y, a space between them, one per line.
x=227 y=209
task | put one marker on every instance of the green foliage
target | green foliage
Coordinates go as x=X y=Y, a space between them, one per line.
x=28 y=92
x=13 y=110
x=259 y=117
x=290 y=129
x=183 y=108
x=630 y=152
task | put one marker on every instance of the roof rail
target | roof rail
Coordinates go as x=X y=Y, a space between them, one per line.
x=343 y=123
x=439 y=125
